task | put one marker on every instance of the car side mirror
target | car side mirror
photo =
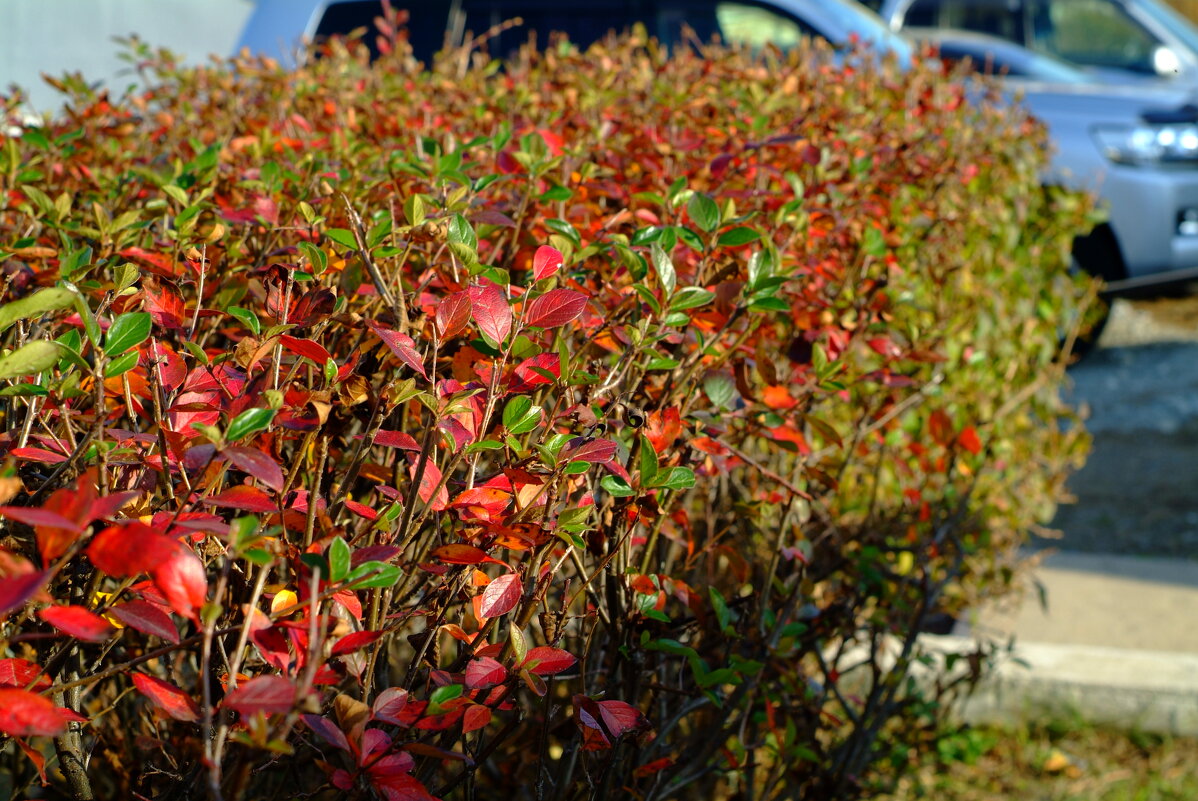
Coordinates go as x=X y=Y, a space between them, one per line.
x=1165 y=62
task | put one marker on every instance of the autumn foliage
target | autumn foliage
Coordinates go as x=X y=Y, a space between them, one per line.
x=603 y=426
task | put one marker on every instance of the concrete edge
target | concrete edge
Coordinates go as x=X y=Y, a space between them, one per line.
x=1151 y=691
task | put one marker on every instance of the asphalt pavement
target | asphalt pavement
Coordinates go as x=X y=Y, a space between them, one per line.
x=1107 y=625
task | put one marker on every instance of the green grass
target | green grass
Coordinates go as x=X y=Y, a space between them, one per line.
x=1060 y=761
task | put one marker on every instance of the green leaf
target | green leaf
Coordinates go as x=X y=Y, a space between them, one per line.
x=373 y=575
x=874 y=243
x=90 y=324
x=520 y=415
x=722 y=613
x=519 y=644
x=565 y=229
x=720 y=389
x=462 y=233
x=703 y=211
x=122 y=364
x=31 y=359
x=691 y=297
x=413 y=210
x=741 y=235
x=315 y=256
x=616 y=487
x=37 y=304
x=769 y=304
x=127 y=331
x=556 y=193
x=251 y=421
x=342 y=237
x=442 y=696
x=664 y=267
x=648 y=462
x=338 y=559
x=675 y=478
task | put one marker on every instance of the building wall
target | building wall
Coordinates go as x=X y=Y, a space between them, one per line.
x=57 y=36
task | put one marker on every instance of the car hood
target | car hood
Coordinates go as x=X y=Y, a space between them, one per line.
x=1099 y=103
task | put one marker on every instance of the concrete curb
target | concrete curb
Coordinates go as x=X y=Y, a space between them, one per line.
x=1152 y=691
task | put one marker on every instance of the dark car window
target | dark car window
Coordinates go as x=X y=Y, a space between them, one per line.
x=1001 y=18
x=742 y=22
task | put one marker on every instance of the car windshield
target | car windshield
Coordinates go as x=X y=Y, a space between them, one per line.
x=1178 y=25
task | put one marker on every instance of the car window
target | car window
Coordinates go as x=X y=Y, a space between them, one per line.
x=1095 y=33
x=754 y=26
x=1000 y=18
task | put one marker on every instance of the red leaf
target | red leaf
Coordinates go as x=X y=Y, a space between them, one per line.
x=38 y=455
x=484 y=672
x=136 y=548
x=428 y=483
x=531 y=372
x=109 y=505
x=273 y=695
x=390 y=704
x=394 y=439
x=361 y=510
x=401 y=345
x=257 y=464
x=556 y=307
x=663 y=427
x=26 y=714
x=353 y=642
x=491 y=311
x=16 y=590
x=595 y=450
x=453 y=313
x=328 y=731
x=546 y=262
x=607 y=720
x=18 y=672
x=475 y=717
x=307 y=348
x=501 y=595
x=492 y=499
x=167 y=697
x=32 y=516
x=165 y=305
x=940 y=426
x=245 y=498
x=459 y=554
x=126 y=550
x=969 y=440
x=77 y=621
x=36 y=757
x=182 y=580
x=621 y=717
x=146 y=618
x=546 y=661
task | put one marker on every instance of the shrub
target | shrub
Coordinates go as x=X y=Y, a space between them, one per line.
x=589 y=427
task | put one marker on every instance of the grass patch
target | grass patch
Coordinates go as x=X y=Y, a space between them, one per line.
x=1059 y=761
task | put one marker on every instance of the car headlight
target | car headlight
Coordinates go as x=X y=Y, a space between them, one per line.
x=1148 y=144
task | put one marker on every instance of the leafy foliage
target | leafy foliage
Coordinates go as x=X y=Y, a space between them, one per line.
x=607 y=425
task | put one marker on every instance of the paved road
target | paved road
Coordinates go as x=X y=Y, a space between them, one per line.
x=1138 y=494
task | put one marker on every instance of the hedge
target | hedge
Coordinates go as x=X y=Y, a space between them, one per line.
x=555 y=429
